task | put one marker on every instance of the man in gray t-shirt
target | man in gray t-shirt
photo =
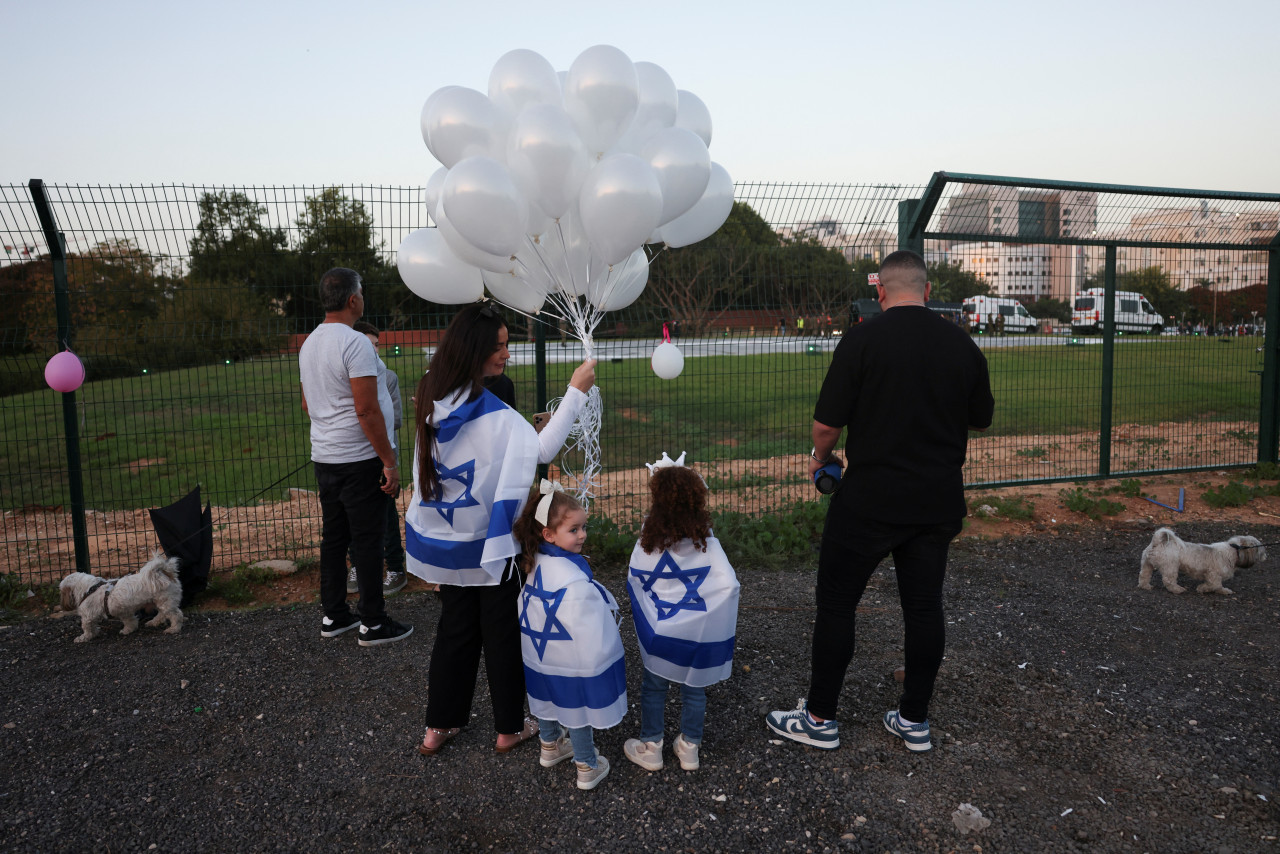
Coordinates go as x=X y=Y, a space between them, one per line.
x=354 y=458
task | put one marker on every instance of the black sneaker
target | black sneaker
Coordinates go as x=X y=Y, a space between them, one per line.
x=332 y=628
x=388 y=631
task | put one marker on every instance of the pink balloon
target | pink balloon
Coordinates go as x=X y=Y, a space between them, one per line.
x=64 y=372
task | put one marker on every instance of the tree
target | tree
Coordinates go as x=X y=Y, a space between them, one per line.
x=337 y=231
x=1154 y=284
x=696 y=284
x=1048 y=308
x=234 y=245
x=953 y=283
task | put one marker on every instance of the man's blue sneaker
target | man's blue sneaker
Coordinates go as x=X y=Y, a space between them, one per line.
x=796 y=726
x=915 y=736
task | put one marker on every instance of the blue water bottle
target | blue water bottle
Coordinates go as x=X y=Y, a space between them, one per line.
x=827 y=478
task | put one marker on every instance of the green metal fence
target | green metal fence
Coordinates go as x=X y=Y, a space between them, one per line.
x=187 y=305
x=1166 y=357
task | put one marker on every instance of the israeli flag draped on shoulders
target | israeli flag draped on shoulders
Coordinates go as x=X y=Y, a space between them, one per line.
x=684 y=603
x=486 y=456
x=574 y=670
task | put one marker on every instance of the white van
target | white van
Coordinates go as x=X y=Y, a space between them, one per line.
x=980 y=314
x=1133 y=312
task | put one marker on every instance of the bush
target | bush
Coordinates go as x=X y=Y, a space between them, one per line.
x=1081 y=502
x=1013 y=507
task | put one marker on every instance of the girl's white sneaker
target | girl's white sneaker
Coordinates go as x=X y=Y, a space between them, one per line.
x=646 y=754
x=686 y=752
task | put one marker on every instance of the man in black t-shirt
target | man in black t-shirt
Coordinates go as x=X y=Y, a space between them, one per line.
x=909 y=386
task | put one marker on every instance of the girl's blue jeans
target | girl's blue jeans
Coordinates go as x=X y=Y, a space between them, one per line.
x=584 y=745
x=653 y=701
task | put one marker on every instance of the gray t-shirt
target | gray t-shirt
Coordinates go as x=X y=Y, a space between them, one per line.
x=330 y=357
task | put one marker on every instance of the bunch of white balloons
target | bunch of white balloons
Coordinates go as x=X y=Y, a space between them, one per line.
x=553 y=183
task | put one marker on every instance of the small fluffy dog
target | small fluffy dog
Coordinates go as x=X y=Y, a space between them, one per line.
x=96 y=598
x=1211 y=564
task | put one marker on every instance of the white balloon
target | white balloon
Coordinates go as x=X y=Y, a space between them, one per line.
x=546 y=158
x=702 y=220
x=693 y=115
x=683 y=166
x=620 y=205
x=601 y=94
x=522 y=77
x=622 y=285
x=467 y=251
x=520 y=293
x=484 y=205
x=458 y=122
x=667 y=361
x=567 y=254
x=433 y=272
x=656 y=109
x=431 y=193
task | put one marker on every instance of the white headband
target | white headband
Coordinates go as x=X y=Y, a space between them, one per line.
x=548 y=489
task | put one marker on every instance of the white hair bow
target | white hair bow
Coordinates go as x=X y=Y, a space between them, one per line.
x=665 y=462
x=548 y=489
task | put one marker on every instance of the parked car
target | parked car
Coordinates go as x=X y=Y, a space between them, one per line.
x=988 y=314
x=1132 y=311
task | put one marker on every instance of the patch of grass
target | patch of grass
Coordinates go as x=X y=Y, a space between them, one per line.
x=785 y=538
x=13 y=591
x=240 y=586
x=715 y=483
x=1267 y=471
x=1080 y=501
x=1237 y=494
x=1013 y=507
x=1035 y=452
x=1247 y=437
x=1131 y=488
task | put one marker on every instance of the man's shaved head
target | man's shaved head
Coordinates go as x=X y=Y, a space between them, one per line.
x=904 y=273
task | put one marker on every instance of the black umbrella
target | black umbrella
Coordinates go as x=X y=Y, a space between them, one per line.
x=186 y=532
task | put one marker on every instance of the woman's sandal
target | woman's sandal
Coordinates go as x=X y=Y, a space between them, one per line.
x=529 y=731
x=427 y=750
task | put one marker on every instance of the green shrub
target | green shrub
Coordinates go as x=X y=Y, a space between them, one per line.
x=1080 y=501
x=1237 y=494
x=1006 y=507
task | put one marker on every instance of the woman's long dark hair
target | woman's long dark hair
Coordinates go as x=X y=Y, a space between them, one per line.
x=458 y=363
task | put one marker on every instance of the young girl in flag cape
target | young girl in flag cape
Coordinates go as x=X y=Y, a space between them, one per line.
x=684 y=603
x=573 y=663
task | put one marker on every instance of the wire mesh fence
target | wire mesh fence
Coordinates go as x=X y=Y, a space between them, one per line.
x=187 y=304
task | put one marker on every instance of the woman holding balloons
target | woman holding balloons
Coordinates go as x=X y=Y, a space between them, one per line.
x=474 y=460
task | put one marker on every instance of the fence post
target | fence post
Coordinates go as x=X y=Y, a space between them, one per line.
x=1269 y=413
x=907 y=240
x=62 y=300
x=1108 y=361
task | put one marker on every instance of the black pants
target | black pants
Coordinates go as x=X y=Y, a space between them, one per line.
x=851 y=549
x=474 y=619
x=392 y=540
x=354 y=512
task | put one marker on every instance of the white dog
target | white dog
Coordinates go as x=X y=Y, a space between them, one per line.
x=1211 y=564
x=97 y=598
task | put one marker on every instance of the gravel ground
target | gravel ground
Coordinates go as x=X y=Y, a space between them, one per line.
x=1077 y=712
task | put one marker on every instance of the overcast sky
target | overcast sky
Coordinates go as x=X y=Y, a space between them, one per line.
x=1180 y=94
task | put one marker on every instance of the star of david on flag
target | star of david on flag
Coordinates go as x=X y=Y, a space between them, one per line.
x=552 y=628
x=692 y=579
x=464 y=474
